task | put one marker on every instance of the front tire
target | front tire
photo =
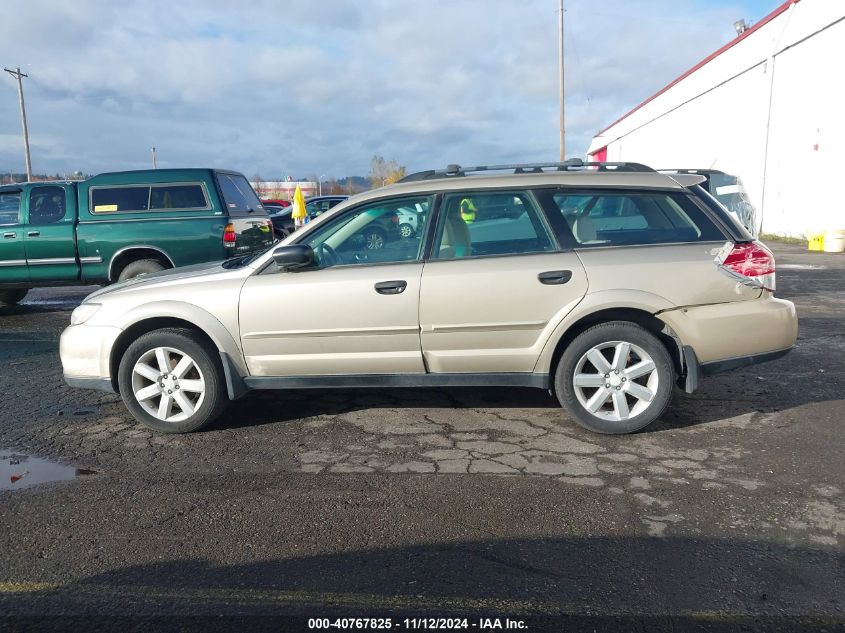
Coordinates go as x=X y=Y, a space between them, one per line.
x=615 y=377
x=406 y=231
x=171 y=381
x=12 y=297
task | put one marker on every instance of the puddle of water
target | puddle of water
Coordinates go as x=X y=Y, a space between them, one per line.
x=22 y=471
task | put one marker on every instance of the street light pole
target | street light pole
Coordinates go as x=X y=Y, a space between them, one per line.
x=153 y=149
x=17 y=74
x=320 y=184
x=560 y=65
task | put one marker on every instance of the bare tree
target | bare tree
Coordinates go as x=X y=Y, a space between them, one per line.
x=383 y=172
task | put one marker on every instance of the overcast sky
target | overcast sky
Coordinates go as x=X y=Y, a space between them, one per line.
x=305 y=87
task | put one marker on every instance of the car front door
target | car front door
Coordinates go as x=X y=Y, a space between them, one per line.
x=49 y=241
x=354 y=311
x=13 y=268
x=495 y=286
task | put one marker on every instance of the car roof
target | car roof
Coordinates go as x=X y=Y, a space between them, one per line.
x=586 y=178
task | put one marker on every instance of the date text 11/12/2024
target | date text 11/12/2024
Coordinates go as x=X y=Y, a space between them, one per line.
x=418 y=624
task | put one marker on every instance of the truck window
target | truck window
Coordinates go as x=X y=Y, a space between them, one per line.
x=10 y=207
x=46 y=205
x=114 y=199
x=238 y=195
x=189 y=196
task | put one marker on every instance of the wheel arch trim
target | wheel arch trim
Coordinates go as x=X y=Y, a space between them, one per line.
x=136 y=247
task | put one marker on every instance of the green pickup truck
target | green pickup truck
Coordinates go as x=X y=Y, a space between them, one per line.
x=116 y=226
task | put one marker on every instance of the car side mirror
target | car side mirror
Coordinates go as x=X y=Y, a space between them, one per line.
x=293 y=256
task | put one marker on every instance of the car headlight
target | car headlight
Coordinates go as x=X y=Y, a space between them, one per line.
x=84 y=312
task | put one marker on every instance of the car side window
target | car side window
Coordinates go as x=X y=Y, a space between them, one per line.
x=628 y=218
x=46 y=205
x=370 y=234
x=10 y=208
x=498 y=223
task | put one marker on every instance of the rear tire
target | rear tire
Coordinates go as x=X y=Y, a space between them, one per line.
x=139 y=267
x=12 y=297
x=406 y=230
x=171 y=381
x=615 y=377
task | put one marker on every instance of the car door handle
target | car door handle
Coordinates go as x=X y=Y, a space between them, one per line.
x=33 y=233
x=555 y=277
x=391 y=287
x=9 y=236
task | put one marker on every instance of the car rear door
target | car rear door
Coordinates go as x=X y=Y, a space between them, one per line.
x=49 y=240
x=494 y=288
x=13 y=268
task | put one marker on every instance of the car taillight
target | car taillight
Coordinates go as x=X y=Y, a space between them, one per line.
x=752 y=262
x=229 y=235
x=395 y=219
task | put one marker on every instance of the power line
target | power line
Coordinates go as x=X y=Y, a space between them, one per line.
x=17 y=74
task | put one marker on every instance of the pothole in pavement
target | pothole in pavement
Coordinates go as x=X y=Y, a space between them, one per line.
x=18 y=471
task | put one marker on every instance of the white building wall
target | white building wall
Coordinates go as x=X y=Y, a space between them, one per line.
x=719 y=117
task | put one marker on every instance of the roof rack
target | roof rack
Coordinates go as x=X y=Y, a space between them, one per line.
x=573 y=164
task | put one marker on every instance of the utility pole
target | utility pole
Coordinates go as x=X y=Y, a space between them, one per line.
x=17 y=74
x=560 y=65
x=153 y=149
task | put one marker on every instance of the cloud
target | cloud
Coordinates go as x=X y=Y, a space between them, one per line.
x=318 y=88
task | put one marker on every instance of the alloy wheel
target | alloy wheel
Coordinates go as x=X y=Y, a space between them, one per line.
x=168 y=384
x=615 y=380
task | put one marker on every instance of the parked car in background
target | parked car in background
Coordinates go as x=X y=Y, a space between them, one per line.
x=408 y=220
x=612 y=286
x=276 y=202
x=281 y=216
x=283 y=224
x=318 y=205
x=116 y=226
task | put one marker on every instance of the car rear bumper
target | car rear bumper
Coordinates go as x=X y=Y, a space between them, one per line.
x=722 y=333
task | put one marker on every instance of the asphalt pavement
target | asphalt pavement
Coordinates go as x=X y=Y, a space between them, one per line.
x=438 y=502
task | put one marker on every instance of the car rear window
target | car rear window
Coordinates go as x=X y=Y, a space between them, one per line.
x=743 y=232
x=630 y=218
x=239 y=196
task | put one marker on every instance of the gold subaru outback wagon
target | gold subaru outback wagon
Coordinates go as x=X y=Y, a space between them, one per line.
x=609 y=284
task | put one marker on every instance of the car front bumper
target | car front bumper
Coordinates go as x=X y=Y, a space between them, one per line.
x=85 y=352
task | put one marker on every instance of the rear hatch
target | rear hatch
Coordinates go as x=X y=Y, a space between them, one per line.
x=249 y=229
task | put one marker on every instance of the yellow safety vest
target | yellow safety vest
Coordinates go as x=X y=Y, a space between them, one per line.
x=468 y=210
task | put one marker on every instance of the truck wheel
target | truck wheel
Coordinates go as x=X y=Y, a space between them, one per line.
x=615 y=377
x=171 y=381
x=11 y=297
x=139 y=267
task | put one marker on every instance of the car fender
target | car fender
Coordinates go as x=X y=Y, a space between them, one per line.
x=197 y=316
x=596 y=302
